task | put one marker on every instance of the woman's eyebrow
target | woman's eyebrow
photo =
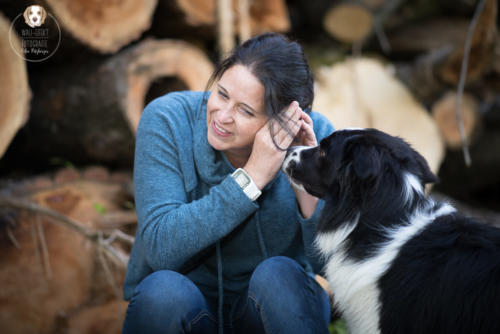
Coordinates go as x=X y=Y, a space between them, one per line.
x=243 y=103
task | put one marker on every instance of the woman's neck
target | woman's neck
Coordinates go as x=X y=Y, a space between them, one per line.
x=237 y=160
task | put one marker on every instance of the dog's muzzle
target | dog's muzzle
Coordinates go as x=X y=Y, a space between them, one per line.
x=292 y=158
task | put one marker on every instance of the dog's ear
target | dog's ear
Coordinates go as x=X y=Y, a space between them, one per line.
x=364 y=159
x=366 y=162
x=426 y=174
x=44 y=15
x=25 y=14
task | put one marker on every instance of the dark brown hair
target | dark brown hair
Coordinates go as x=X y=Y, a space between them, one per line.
x=280 y=65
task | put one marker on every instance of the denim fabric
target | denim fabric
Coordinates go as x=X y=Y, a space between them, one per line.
x=281 y=298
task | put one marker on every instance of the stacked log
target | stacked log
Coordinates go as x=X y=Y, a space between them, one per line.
x=89 y=114
x=265 y=15
x=104 y=26
x=363 y=92
x=188 y=18
x=444 y=112
x=15 y=93
x=47 y=270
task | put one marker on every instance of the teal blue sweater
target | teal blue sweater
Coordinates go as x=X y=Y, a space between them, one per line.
x=186 y=201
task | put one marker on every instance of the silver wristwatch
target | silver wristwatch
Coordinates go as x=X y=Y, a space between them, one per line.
x=246 y=184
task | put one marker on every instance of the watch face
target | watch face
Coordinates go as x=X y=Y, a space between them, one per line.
x=242 y=179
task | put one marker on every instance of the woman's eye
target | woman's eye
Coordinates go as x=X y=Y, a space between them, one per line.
x=224 y=96
x=246 y=111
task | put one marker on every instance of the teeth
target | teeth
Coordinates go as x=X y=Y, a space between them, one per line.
x=220 y=129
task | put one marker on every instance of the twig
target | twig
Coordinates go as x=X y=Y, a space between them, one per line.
x=117 y=234
x=43 y=246
x=118 y=219
x=37 y=252
x=107 y=270
x=12 y=238
x=463 y=76
x=63 y=220
x=378 y=23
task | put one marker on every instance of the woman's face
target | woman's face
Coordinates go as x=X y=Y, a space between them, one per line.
x=235 y=112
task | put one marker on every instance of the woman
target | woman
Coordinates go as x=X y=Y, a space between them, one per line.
x=224 y=242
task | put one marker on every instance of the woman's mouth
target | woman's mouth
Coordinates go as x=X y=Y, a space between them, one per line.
x=220 y=131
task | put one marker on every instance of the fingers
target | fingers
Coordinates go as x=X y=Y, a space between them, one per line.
x=289 y=130
x=306 y=118
x=306 y=135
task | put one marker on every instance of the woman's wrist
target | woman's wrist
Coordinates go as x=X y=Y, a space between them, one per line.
x=306 y=202
x=259 y=181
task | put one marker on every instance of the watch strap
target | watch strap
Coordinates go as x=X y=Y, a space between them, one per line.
x=246 y=184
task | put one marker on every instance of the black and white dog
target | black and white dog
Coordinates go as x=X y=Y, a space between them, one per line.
x=396 y=261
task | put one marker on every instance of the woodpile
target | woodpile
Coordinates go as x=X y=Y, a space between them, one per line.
x=91 y=113
x=49 y=270
x=264 y=15
x=104 y=26
x=15 y=92
x=65 y=234
x=348 y=22
x=444 y=112
x=364 y=93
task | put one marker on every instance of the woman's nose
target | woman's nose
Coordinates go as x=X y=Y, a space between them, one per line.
x=225 y=115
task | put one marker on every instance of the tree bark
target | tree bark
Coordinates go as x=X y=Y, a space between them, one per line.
x=89 y=114
x=481 y=52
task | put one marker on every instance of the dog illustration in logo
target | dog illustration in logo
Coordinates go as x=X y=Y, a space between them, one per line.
x=34 y=16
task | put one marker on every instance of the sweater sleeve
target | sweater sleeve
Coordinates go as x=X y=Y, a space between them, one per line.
x=171 y=229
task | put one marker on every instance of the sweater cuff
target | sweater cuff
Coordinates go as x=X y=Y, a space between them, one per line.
x=238 y=195
x=314 y=219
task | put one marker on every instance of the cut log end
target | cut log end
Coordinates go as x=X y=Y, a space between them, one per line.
x=154 y=59
x=105 y=27
x=348 y=23
x=445 y=115
x=264 y=15
x=15 y=93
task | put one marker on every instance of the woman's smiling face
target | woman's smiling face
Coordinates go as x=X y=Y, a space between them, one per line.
x=235 y=112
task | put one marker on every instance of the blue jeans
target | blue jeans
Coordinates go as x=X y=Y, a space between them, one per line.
x=281 y=298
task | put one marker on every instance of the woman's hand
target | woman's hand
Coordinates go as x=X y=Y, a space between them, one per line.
x=305 y=137
x=266 y=159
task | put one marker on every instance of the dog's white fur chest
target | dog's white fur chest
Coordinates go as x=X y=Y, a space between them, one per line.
x=355 y=283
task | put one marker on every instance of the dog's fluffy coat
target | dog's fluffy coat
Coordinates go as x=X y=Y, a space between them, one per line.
x=396 y=261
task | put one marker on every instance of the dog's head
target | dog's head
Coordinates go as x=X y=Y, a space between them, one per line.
x=358 y=161
x=34 y=15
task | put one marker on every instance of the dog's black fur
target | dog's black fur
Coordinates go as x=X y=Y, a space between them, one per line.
x=444 y=274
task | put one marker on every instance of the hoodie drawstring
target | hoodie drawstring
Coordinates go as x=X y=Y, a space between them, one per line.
x=220 y=287
x=220 y=282
x=262 y=245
